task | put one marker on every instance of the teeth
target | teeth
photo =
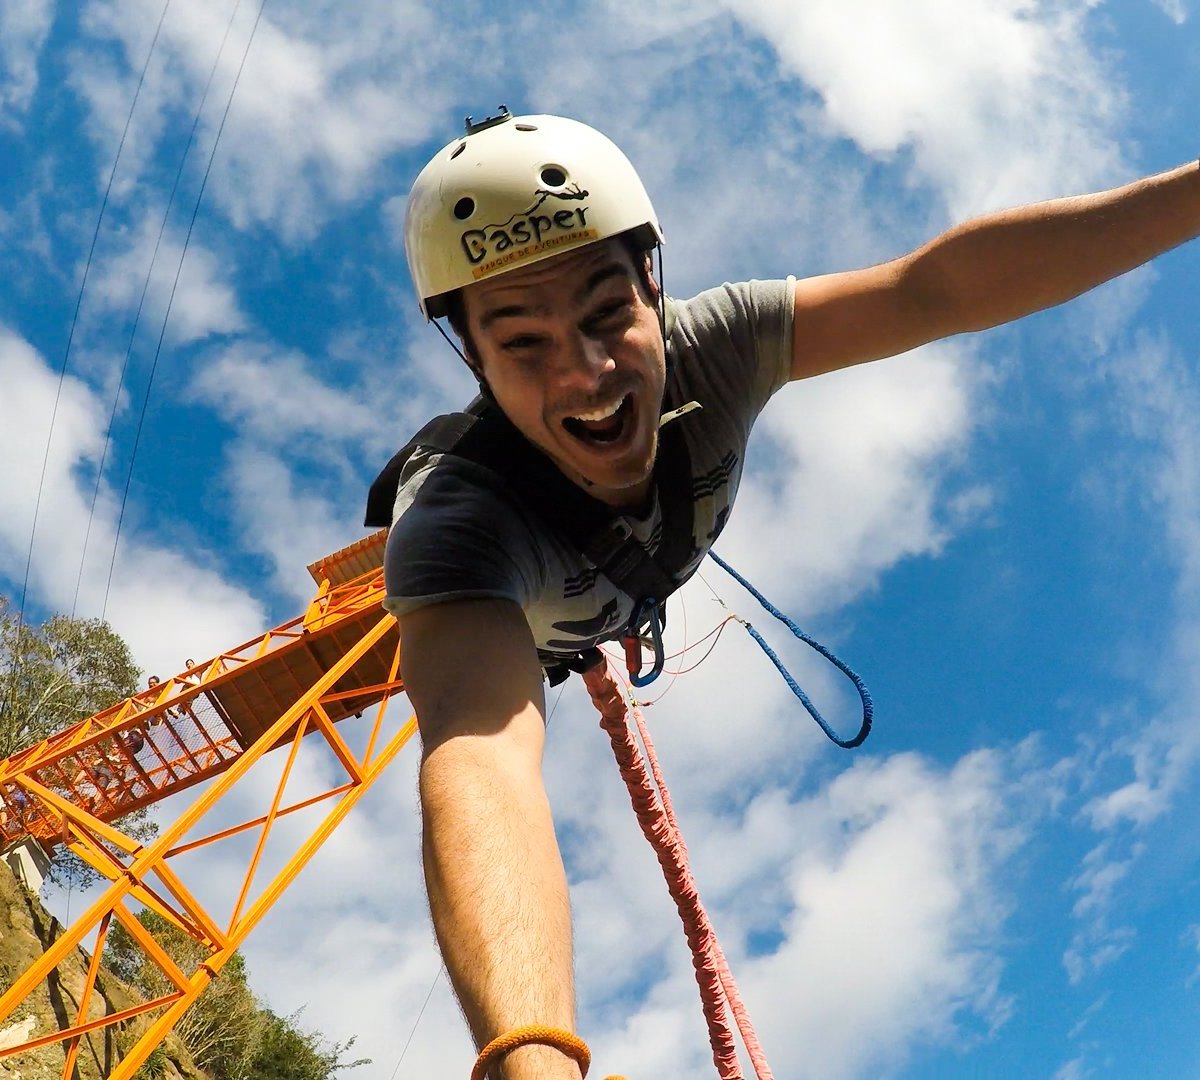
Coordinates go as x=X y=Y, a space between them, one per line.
x=599 y=414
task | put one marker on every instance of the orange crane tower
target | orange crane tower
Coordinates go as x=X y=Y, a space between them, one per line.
x=209 y=725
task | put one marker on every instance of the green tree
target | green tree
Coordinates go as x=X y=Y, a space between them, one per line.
x=51 y=677
x=287 y=1052
x=56 y=674
x=222 y=1029
x=227 y=1032
x=154 y=1067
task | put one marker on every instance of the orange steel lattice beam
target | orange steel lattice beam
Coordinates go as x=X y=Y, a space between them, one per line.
x=212 y=723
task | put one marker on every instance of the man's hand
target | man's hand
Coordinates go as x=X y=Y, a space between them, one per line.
x=497 y=889
x=991 y=270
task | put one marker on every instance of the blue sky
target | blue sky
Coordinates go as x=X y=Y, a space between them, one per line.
x=1000 y=532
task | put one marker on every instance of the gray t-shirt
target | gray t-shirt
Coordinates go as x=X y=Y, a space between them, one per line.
x=457 y=533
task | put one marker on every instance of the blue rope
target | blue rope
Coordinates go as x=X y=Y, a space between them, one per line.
x=864 y=694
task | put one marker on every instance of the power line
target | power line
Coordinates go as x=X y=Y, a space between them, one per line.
x=408 y=1043
x=137 y=318
x=171 y=301
x=62 y=374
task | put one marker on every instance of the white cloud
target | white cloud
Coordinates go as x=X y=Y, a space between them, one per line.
x=202 y=301
x=1071 y=1070
x=998 y=101
x=295 y=468
x=24 y=25
x=357 y=394
x=896 y=922
x=278 y=398
x=291 y=527
x=1175 y=10
x=1146 y=773
x=890 y=434
x=1097 y=879
x=1094 y=948
x=891 y=907
x=326 y=95
x=152 y=583
x=1191 y=938
x=1088 y=1015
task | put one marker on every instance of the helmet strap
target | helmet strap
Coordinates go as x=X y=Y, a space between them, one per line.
x=662 y=298
x=451 y=342
x=484 y=389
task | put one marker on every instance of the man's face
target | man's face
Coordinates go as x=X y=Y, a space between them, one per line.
x=572 y=350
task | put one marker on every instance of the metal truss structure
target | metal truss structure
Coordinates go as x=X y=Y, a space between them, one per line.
x=207 y=727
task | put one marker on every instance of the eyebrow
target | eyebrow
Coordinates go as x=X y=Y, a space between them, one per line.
x=596 y=279
x=506 y=312
x=611 y=270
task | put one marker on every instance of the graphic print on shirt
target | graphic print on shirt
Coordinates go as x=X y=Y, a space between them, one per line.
x=578 y=584
x=715 y=479
x=600 y=626
x=722 y=517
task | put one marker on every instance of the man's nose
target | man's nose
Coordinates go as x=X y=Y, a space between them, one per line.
x=584 y=359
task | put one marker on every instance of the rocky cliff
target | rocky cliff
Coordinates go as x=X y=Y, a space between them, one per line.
x=27 y=929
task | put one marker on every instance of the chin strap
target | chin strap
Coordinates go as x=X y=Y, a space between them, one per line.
x=675 y=414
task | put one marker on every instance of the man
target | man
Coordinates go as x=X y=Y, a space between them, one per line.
x=532 y=235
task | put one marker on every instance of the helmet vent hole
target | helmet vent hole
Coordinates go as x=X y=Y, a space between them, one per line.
x=527 y=127
x=464 y=208
x=553 y=176
x=458 y=149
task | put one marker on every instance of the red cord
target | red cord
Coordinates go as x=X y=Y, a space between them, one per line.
x=656 y=815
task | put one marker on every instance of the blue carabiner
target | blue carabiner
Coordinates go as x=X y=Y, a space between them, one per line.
x=633 y=643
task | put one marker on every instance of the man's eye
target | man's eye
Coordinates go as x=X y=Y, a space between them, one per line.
x=609 y=312
x=521 y=341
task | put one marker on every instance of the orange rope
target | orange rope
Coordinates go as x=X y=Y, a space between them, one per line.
x=565 y=1041
x=652 y=803
x=714 y=633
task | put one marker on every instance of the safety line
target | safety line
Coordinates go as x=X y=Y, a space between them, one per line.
x=715 y=634
x=171 y=301
x=868 y=706
x=137 y=318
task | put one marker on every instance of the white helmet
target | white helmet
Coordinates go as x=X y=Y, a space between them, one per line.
x=513 y=191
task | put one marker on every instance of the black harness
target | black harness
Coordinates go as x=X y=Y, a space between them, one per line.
x=485 y=436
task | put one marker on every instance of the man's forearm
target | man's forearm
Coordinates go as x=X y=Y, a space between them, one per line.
x=498 y=893
x=1002 y=266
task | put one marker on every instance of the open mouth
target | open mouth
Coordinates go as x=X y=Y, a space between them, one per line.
x=602 y=426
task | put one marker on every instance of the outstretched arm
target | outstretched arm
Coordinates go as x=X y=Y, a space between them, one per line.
x=991 y=270
x=497 y=889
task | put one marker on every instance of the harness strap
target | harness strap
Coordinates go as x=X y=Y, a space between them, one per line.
x=441 y=433
x=486 y=437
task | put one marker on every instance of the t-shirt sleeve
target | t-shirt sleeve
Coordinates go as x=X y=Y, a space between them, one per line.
x=457 y=535
x=745 y=333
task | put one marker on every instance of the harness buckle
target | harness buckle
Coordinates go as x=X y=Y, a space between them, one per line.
x=614 y=541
